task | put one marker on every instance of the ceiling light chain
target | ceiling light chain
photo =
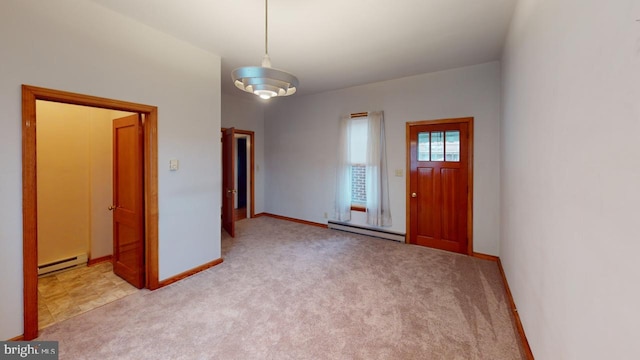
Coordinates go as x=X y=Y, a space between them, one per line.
x=264 y=80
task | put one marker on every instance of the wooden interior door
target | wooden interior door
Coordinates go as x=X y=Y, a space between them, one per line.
x=228 y=181
x=439 y=185
x=128 y=200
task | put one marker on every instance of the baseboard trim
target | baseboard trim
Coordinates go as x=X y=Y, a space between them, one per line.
x=512 y=304
x=516 y=317
x=99 y=260
x=17 y=338
x=485 y=256
x=305 y=222
x=188 y=273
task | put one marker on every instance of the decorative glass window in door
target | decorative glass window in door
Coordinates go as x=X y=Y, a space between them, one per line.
x=439 y=146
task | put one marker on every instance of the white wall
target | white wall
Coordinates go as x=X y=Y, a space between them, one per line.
x=81 y=47
x=301 y=134
x=247 y=113
x=571 y=176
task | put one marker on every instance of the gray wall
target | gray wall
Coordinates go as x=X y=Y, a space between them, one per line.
x=81 y=47
x=571 y=176
x=301 y=139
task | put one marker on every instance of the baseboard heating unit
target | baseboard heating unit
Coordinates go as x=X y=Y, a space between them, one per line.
x=365 y=230
x=61 y=265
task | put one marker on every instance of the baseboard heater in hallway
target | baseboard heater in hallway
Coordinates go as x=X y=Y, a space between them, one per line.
x=63 y=264
x=364 y=230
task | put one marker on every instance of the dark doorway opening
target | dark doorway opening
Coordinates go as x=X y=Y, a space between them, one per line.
x=242 y=173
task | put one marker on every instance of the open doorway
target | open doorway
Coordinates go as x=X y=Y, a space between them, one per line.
x=75 y=164
x=149 y=183
x=238 y=159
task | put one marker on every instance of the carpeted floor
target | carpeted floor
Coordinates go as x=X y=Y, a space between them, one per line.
x=291 y=291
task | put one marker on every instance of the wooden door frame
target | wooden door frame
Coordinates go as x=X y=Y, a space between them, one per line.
x=469 y=122
x=252 y=161
x=29 y=188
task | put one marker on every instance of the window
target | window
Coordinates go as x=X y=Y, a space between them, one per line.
x=358 y=185
x=358 y=160
x=439 y=146
x=361 y=177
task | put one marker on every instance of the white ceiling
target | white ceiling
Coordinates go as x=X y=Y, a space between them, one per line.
x=334 y=44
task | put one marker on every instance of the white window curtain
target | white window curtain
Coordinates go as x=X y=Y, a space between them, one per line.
x=377 y=181
x=343 y=175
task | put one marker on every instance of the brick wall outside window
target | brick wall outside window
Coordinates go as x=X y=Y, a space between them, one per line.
x=358 y=187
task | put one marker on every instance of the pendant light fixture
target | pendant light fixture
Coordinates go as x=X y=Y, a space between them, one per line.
x=264 y=80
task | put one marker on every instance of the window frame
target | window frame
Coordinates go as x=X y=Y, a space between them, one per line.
x=358 y=206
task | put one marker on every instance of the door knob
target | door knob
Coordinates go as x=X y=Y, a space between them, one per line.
x=111 y=207
x=414 y=195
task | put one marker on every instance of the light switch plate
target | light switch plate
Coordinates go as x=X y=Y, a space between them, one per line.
x=173 y=164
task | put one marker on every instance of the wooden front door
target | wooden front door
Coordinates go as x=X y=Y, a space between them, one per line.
x=439 y=185
x=228 y=181
x=128 y=200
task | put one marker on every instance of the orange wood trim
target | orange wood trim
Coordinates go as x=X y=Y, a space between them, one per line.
x=99 y=260
x=485 y=256
x=439 y=121
x=86 y=100
x=29 y=189
x=407 y=173
x=239 y=214
x=358 y=208
x=359 y=115
x=299 y=221
x=17 y=338
x=469 y=121
x=150 y=159
x=29 y=214
x=516 y=316
x=188 y=273
x=470 y=185
x=512 y=304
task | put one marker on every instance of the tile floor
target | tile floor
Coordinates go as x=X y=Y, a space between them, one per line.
x=73 y=292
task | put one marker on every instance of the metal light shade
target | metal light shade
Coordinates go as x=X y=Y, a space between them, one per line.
x=265 y=82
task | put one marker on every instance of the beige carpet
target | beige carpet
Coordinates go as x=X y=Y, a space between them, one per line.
x=291 y=291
